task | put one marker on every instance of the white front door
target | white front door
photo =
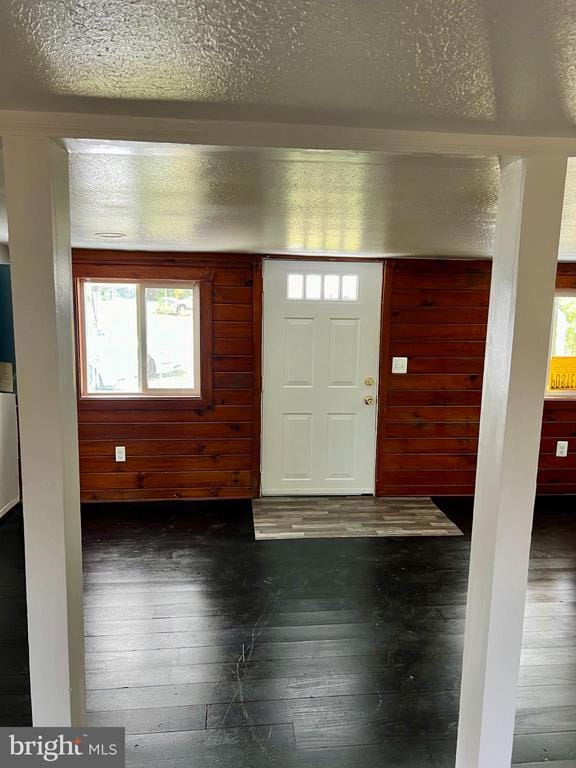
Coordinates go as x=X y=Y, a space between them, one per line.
x=321 y=349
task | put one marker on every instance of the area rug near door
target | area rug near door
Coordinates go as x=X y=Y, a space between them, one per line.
x=322 y=517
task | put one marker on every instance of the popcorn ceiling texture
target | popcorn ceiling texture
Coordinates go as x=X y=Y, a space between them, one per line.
x=300 y=202
x=423 y=63
x=171 y=197
x=430 y=64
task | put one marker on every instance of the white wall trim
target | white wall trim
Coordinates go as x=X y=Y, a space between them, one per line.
x=233 y=133
x=517 y=345
x=37 y=182
x=7 y=507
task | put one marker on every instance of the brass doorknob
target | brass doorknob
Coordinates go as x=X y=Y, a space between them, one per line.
x=368 y=400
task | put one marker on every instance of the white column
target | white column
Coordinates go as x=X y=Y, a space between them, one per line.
x=521 y=298
x=36 y=171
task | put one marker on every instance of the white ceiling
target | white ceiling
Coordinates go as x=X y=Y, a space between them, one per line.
x=507 y=66
x=178 y=197
x=464 y=65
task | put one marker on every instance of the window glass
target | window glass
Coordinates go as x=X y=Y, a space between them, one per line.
x=332 y=287
x=140 y=338
x=170 y=338
x=295 y=286
x=111 y=338
x=562 y=368
x=322 y=287
x=350 y=287
x=313 y=286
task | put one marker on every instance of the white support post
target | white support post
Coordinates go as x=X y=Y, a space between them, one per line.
x=521 y=299
x=36 y=171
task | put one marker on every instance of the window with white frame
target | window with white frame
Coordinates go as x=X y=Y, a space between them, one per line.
x=139 y=338
x=562 y=364
x=318 y=287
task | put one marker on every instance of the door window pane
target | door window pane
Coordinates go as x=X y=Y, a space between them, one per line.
x=295 y=286
x=111 y=338
x=350 y=287
x=313 y=286
x=332 y=287
x=170 y=338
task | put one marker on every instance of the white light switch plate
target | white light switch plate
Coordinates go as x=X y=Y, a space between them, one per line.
x=399 y=365
x=120 y=453
x=562 y=448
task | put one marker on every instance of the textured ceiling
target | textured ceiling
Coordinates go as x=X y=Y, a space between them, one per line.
x=192 y=198
x=177 y=197
x=464 y=64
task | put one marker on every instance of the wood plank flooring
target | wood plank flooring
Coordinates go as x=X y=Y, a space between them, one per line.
x=218 y=651
x=325 y=517
x=14 y=678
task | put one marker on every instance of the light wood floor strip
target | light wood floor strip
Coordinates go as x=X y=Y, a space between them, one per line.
x=322 y=517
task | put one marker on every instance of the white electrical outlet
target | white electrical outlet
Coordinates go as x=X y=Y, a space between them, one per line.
x=562 y=448
x=120 y=453
x=399 y=365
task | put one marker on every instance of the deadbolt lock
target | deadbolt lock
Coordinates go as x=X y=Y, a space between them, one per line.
x=369 y=381
x=368 y=400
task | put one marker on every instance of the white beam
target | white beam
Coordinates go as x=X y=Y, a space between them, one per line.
x=234 y=133
x=521 y=298
x=36 y=172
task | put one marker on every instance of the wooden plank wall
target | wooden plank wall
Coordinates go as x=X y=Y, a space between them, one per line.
x=429 y=418
x=558 y=475
x=434 y=313
x=182 y=451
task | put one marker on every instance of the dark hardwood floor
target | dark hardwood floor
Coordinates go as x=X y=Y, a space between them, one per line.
x=14 y=678
x=216 y=651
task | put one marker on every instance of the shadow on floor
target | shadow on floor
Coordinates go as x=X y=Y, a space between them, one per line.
x=14 y=678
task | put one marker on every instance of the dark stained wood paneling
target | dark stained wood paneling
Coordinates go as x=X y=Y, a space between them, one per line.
x=153 y=494
x=226 y=294
x=176 y=450
x=233 y=347
x=167 y=463
x=414 y=298
x=429 y=397
x=437 y=332
x=226 y=413
x=429 y=429
x=228 y=363
x=169 y=480
x=170 y=448
x=436 y=381
x=445 y=349
x=232 y=312
x=431 y=365
x=444 y=315
x=431 y=446
x=435 y=313
x=226 y=330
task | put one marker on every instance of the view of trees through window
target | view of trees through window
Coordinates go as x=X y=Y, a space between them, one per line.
x=564 y=337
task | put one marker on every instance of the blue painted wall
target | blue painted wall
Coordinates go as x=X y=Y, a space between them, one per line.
x=7 y=354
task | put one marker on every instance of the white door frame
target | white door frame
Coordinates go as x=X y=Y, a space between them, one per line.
x=373 y=294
